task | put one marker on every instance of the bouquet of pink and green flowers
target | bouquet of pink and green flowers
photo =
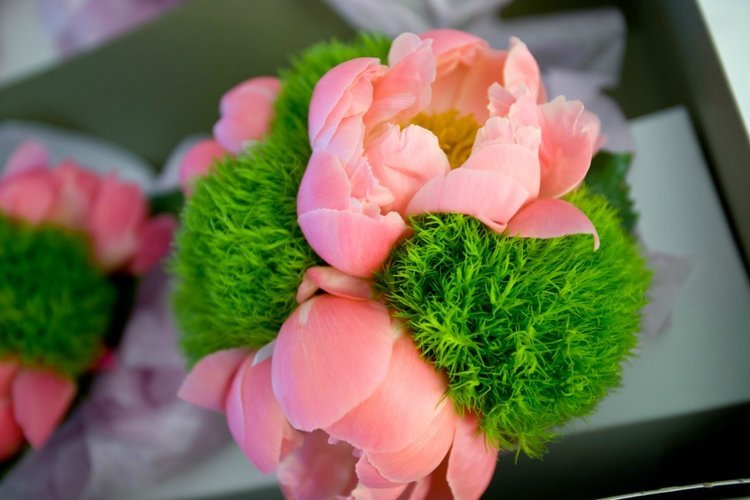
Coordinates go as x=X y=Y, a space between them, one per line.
x=397 y=260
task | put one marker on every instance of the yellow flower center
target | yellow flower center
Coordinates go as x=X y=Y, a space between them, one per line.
x=455 y=133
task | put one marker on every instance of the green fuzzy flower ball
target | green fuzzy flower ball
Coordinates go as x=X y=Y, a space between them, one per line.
x=531 y=332
x=241 y=254
x=55 y=306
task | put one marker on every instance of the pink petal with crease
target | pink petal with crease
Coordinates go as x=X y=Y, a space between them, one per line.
x=423 y=454
x=154 y=242
x=352 y=242
x=11 y=436
x=28 y=156
x=208 y=382
x=466 y=68
x=255 y=419
x=491 y=197
x=344 y=91
x=362 y=492
x=325 y=184
x=370 y=477
x=471 y=462
x=198 y=162
x=568 y=139
x=404 y=160
x=318 y=469
x=330 y=355
x=500 y=100
x=407 y=400
x=30 y=195
x=334 y=282
x=410 y=74
x=521 y=71
x=452 y=42
x=551 y=218
x=40 y=400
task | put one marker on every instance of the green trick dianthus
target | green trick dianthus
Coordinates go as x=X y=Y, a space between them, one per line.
x=241 y=254
x=55 y=306
x=531 y=332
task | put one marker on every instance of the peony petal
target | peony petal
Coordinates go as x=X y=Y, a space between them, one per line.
x=362 y=492
x=344 y=91
x=411 y=73
x=246 y=113
x=117 y=215
x=404 y=160
x=236 y=131
x=198 y=161
x=325 y=184
x=30 y=195
x=423 y=454
x=500 y=100
x=255 y=419
x=40 y=400
x=407 y=400
x=330 y=355
x=370 y=477
x=367 y=188
x=466 y=68
x=352 y=242
x=521 y=71
x=154 y=242
x=11 y=436
x=491 y=197
x=318 y=469
x=77 y=190
x=251 y=95
x=208 y=382
x=503 y=147
x=568 y=139
x=471 y=462
x=452 y=43
x=551 y=218
x=334 y=282
x=28 y=156
x=8 y=369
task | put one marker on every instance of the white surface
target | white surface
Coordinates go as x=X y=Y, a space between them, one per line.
x=24 y=46
x=727 y=22
x=700 y=363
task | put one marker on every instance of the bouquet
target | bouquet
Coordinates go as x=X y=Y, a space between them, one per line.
x=393 y=265
x=72 y=242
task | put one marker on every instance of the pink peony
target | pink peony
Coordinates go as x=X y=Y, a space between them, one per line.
x=113 y=213
x=32 y=403
x=341 y=403
x=450 y=125
x=246 y=113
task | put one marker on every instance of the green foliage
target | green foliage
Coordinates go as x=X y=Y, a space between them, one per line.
x=530 y=332
x=606 y=177
x=241 y=254
x=55 y=306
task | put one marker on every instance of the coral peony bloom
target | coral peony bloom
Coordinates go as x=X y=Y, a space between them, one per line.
x=246 y=114
x=32 y=403
x=113 y=213
x=342 y=404
x=450 y=125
